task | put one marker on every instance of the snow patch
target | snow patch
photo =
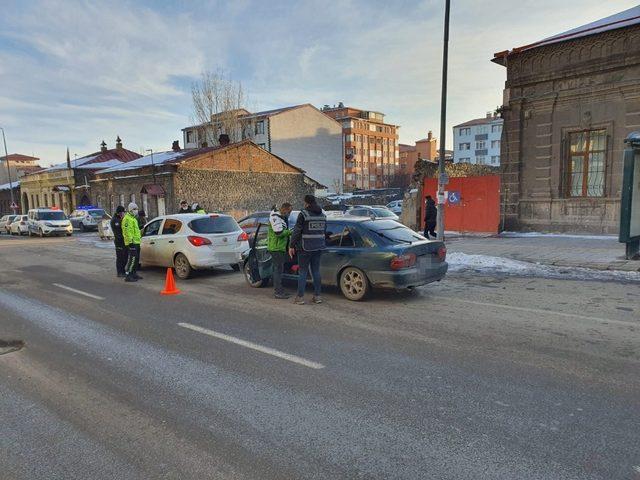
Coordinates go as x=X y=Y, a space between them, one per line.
x=556 y=235
x=461 y=262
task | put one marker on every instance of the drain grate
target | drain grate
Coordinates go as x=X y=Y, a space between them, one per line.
x=8 y=346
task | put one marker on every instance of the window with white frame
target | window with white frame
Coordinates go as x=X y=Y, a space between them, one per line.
x=495 y=143
x=481 y=159
x=496 y=128
x=465 y=160
x=495 y=159
x=481 y=145
x=482 y=129
x=464 y=146
x=260 y=127
x=465 y=131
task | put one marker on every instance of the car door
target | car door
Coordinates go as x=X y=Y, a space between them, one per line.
x=260 y=252
x=167 y=242
x=334 y=257
x=150 y=235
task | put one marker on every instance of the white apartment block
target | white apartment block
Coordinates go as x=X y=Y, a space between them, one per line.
x=478 y=141
x=301 y=134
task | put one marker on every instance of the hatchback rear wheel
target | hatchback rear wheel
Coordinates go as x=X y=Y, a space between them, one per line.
x=354 y=284
x=182 y=266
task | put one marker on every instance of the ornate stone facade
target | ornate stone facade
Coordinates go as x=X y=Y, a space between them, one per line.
x=589 y=83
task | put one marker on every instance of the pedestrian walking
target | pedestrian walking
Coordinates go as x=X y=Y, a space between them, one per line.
x=184 y=207
x=308 y=242
x=142 y=219
x=430 y=217
x=277 y=243
x=131 y=236
x=118 y=240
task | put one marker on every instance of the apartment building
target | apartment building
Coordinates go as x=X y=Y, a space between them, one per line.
x=301 y=135
x=371 y=150
x=478 y=141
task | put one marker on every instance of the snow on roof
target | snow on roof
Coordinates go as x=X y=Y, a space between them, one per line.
x=627 y=18
x=14 y=184
x=158 y=158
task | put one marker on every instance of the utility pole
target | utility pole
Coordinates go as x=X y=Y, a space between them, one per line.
x=153 y=167
x=6 y=159
x=442 y=177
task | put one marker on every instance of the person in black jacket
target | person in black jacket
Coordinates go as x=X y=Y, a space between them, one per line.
x=184 y=207
x=430 y=218
x=308 y=242
x=118 y=240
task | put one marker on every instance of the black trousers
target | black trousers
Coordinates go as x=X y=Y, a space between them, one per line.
x=133 y=258
x=430 y=229
x=278 y=260
x=121 y=260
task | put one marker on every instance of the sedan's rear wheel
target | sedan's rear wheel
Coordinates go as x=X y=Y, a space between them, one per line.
x=182 y=266
x=354 y=284
x=251 y=275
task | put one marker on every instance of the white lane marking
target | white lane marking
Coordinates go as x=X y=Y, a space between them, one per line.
x=254 y=346
x=545 y=312
x=80 y=292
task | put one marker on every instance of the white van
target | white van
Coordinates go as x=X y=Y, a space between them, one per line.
x=48 y=221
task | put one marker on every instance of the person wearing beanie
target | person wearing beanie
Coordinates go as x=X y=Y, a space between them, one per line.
x=131 y=236
x=118 y=240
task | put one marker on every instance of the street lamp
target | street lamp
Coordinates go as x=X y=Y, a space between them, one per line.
x=6 y=158
x=442 y=177
x=153 y=167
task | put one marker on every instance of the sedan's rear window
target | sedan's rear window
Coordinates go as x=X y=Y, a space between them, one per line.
x=393 y=231
x=96 y=213
x=214 y=224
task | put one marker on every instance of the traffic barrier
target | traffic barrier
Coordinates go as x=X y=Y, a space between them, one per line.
x=169 y=284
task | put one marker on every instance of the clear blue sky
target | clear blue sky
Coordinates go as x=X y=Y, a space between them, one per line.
x=76 y=72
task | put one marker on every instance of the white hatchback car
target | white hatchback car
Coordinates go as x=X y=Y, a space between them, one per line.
x=19 y=225
x=193 y=241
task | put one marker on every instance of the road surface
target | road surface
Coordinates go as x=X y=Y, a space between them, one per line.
x=476 y=377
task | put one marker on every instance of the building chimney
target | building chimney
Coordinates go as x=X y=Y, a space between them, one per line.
x=175 y=146
x=103 y=146
x=488 y=114
x=223 y=140
x=430 y=135
x=118 y=143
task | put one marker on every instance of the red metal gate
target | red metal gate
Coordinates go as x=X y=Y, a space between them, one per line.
x=474 y=205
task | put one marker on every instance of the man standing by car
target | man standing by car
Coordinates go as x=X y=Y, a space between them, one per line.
x=131 y=236
x=118 y=240
x=308 y=241
x=184 y=207
x=277 y=240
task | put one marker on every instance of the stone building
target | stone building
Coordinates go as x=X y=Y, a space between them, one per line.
x=299 y=134
x=237 y=178
x=371 y=155
x=67 y=185
x=569 y=101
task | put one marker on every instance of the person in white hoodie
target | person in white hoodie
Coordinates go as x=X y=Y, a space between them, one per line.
x=278 y=244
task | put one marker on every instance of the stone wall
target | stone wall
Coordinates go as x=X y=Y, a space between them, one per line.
x=238 y=193
x=587 y=83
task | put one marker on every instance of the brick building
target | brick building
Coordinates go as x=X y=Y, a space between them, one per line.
x=299 y=134
x=424 y=149
x=236 y=178
x=569 y=101
x=371 y=154
x=67 y=185
x=19 y=166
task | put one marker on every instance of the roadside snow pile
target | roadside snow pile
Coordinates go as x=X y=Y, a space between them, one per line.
x=462 y=262
x=556 y=235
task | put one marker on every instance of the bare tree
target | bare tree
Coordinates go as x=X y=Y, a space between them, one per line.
x=219 y=106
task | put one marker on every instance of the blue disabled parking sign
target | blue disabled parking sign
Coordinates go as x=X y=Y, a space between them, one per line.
x=453 y=197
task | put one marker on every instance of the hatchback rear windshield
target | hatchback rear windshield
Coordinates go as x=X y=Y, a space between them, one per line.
x=383 y=212
x=393 y=231
x=51 y=216
x=214 y=225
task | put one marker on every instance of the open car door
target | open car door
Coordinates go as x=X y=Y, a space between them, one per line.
x=259 y=267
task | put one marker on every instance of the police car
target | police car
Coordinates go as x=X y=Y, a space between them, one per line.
x=86 y=218
x=48 y=221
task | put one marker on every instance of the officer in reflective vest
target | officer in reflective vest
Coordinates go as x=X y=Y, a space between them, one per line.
x=308 y=242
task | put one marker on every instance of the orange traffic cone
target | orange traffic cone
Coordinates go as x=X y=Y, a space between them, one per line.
x=169 y=284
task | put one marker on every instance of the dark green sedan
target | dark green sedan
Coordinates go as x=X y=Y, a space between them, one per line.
x=361 y=254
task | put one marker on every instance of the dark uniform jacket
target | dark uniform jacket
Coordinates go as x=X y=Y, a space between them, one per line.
x=116 y=228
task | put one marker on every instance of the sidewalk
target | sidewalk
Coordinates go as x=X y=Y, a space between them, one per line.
x=599 y=253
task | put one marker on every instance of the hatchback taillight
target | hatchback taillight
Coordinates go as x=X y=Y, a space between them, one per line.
x=403 y=261
x=243 y=237
x=198 y=241
x=442 y=253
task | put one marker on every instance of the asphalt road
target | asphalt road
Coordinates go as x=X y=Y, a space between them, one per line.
x=477 y=377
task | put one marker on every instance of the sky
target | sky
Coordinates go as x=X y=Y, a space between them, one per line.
x=74 y=72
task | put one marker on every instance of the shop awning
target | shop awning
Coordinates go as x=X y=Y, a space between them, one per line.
x=153 y=189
